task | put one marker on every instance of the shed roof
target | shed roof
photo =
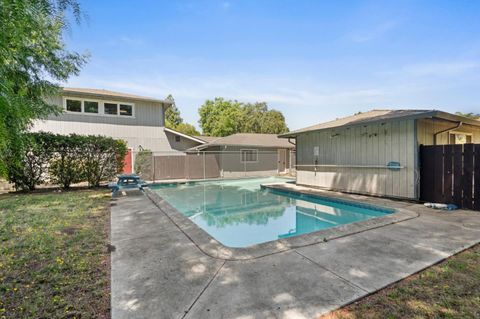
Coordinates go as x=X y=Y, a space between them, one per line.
x=249 y=139
x=374 y=116
x=107 y=93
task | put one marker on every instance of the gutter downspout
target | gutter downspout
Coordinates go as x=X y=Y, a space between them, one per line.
x=459 y=124
x=291 y=141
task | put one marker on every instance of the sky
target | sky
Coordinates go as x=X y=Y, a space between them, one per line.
x=312 y=60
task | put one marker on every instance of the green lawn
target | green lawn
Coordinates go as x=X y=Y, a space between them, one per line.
x=450 y=289
x=54 y=261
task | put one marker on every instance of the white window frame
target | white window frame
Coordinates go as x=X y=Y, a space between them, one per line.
x=101 y=107
x=248 y=149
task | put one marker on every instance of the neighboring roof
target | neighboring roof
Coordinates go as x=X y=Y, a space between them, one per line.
x=106 y=93
x=248 y=139
x=184 y=135
x=382 y=116
x=207 y=139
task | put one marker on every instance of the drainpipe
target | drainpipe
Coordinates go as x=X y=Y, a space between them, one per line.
x=291 y=141
x=446 y=130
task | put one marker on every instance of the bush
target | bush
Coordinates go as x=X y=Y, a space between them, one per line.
x=103 y=158
x=66 y=164
x=65 y=160
x=143 y=164
x=28 y=164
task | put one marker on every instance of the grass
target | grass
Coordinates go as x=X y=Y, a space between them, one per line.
x=450 y=289
x=54 y=261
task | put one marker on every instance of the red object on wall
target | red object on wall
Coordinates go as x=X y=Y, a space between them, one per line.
x=127 y=166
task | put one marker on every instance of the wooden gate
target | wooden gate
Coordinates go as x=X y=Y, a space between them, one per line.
x=451 y=174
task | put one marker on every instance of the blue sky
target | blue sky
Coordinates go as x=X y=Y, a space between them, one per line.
x=312 y=60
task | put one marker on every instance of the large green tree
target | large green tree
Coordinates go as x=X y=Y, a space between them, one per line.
x=174 y=120
x=222 y=117
x=172 y=114
x=33 y=62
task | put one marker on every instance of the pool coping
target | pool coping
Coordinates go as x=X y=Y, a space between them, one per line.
x=213 y=248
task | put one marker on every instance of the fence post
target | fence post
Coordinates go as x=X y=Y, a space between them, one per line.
x=204 y=170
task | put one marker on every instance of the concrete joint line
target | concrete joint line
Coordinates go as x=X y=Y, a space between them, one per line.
x=204 y=289
x=334 y=273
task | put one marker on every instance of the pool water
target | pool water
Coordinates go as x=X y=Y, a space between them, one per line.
x=239 y=213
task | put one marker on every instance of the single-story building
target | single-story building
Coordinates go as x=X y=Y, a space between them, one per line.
x=138 y=120
x=249 y=154
x=375 y=152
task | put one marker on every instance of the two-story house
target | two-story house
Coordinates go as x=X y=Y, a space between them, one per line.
x=138 y=120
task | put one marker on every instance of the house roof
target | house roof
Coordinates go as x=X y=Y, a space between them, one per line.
x=107 y=93
x=193 y=138
x=248 y=139
x=374 y=116
x=207 y=139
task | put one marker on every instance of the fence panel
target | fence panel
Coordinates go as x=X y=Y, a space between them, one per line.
x=451 y=173
x=169 y=167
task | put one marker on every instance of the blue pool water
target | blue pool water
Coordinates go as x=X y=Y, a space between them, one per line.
x=238 y=213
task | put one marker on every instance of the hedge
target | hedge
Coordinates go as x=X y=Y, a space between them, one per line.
x=65 y=160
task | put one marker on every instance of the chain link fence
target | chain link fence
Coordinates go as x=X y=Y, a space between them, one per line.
x=158 y=166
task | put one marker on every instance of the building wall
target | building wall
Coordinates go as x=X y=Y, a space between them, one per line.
x=183 y=144
x=146 y=113
x=229 y=159
x=153 y=138
x=426 y=129
x=351 y=153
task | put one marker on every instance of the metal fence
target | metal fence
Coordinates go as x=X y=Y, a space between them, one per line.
x=158 y=166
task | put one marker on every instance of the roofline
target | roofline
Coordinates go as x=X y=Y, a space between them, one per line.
x=185 y=135
x=206 y=145
x=134 y=98
x=429 y=114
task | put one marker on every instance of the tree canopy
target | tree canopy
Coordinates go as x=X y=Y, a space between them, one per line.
x=471 y=115
x=222 y=117
x=33 y=61
x=174 y=120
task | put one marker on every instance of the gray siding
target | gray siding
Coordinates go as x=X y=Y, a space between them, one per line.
x=184 y=143
x=146 y=113
x=356 y=159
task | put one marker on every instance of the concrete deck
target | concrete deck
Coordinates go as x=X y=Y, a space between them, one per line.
x=160 y=272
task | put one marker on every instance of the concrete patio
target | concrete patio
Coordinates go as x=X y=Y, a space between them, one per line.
x=159 y=272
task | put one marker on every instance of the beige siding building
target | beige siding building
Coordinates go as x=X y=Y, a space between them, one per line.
x=138 y=120
x=376 y=152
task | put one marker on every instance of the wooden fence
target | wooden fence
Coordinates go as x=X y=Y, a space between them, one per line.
x=451 y=174
x=190 y=166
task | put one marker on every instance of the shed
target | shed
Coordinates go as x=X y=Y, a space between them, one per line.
x=375 y=152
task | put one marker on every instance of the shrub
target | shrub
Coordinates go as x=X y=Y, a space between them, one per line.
x=66 y=164
x=28 y=164
x=103 y=158
x=65 y=160
x=143 y=164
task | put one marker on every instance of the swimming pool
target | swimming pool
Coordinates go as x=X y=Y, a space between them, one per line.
x=239 y=213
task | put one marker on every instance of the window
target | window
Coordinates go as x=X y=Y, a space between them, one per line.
x=111 y=108
x=249 y=156
x=126 y=109
x=460 y=138
x=74 y=105
x=90 y=107
x=177 y=138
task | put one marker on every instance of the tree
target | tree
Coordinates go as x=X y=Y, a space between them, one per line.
x=172 y=114
x=471 y=115
x=222 y=117
x=186 y=128
x=33 y=60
